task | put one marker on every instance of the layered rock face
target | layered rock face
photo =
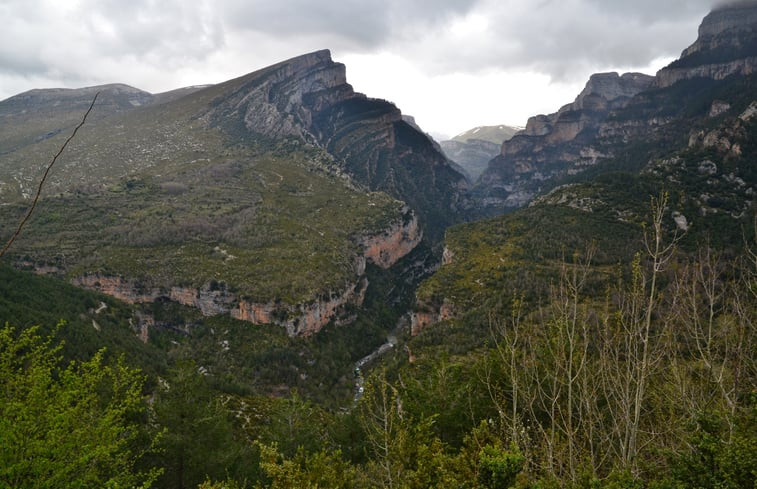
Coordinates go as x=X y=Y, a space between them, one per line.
x=555 y=144
x=602 y=93
x=726 y=45
x=308 y=97
x=210 y=299
x=399 y=239
x=304 y=319
x=613 y=111
x=383 y=249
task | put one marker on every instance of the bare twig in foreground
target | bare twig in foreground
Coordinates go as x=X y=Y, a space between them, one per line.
x=44 y=177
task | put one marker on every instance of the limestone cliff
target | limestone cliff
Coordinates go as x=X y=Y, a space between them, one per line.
x=383 y=249
x=726 y=45
x=625 y=120
x=399 y=239
x=308 y=98
x=555 y=144
x=303 y=319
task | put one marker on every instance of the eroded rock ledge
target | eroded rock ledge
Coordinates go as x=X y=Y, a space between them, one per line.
x=399 y=239
x=304 y=319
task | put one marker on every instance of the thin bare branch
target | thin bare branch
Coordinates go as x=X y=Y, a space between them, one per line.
x=44 y=178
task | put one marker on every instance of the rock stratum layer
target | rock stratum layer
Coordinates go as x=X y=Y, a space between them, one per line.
x=613 y=111
x=726 y=45
x=305 y=319
x=555 y=144
x=308 y=97
x=263 y=197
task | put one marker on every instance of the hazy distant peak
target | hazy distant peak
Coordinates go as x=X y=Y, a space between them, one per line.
x=732 y=16
x=493 y=134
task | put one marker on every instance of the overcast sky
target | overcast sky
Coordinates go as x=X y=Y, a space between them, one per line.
x=453 y=64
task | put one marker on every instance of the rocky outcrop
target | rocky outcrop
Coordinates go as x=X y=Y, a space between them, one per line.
x=304 y=319
x=215 y=299
x=716 y=71
x=556 y=145
x=211 y=299
x=602 y=93
x=726 y=139
x=420 y=319
x=383 y=249
x=726 y=45
x=308 y=97
x=269 y=102
x=399 y=239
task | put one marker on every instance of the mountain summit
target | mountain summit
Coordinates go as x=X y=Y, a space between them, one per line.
x=263 y=197
x=726 y=45
x=308 y=97
x=624 y=121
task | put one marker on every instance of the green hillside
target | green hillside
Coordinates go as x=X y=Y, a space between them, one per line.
x=155 y=196
x=269 y=226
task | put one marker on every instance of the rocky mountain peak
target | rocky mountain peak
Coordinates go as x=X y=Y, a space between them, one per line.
x=733 y=18
x=603 y=92
x=611 y=86
x=308 y=98
x=726 y=45
x=279 y=101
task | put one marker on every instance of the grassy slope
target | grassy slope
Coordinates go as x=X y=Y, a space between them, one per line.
x=153 y=194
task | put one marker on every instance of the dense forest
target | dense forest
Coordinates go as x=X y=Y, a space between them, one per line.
x=638 y=375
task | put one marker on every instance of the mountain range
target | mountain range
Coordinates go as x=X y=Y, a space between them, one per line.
x=474 y=148
x=316 y=293
x=585 y=173
x=615 y=116
x=262 y=197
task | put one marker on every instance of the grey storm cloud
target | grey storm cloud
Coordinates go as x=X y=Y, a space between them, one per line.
x=37 y=39
x=564 y=38
x=561 y=38
x=368 y=24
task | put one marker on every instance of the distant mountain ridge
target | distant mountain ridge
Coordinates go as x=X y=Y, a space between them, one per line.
x=614 y=110
x=493 y=134
x=583 y=177
x=473 y=148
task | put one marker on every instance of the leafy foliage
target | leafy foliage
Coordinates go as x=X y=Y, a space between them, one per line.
x=74 y=426
x=199 y=439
